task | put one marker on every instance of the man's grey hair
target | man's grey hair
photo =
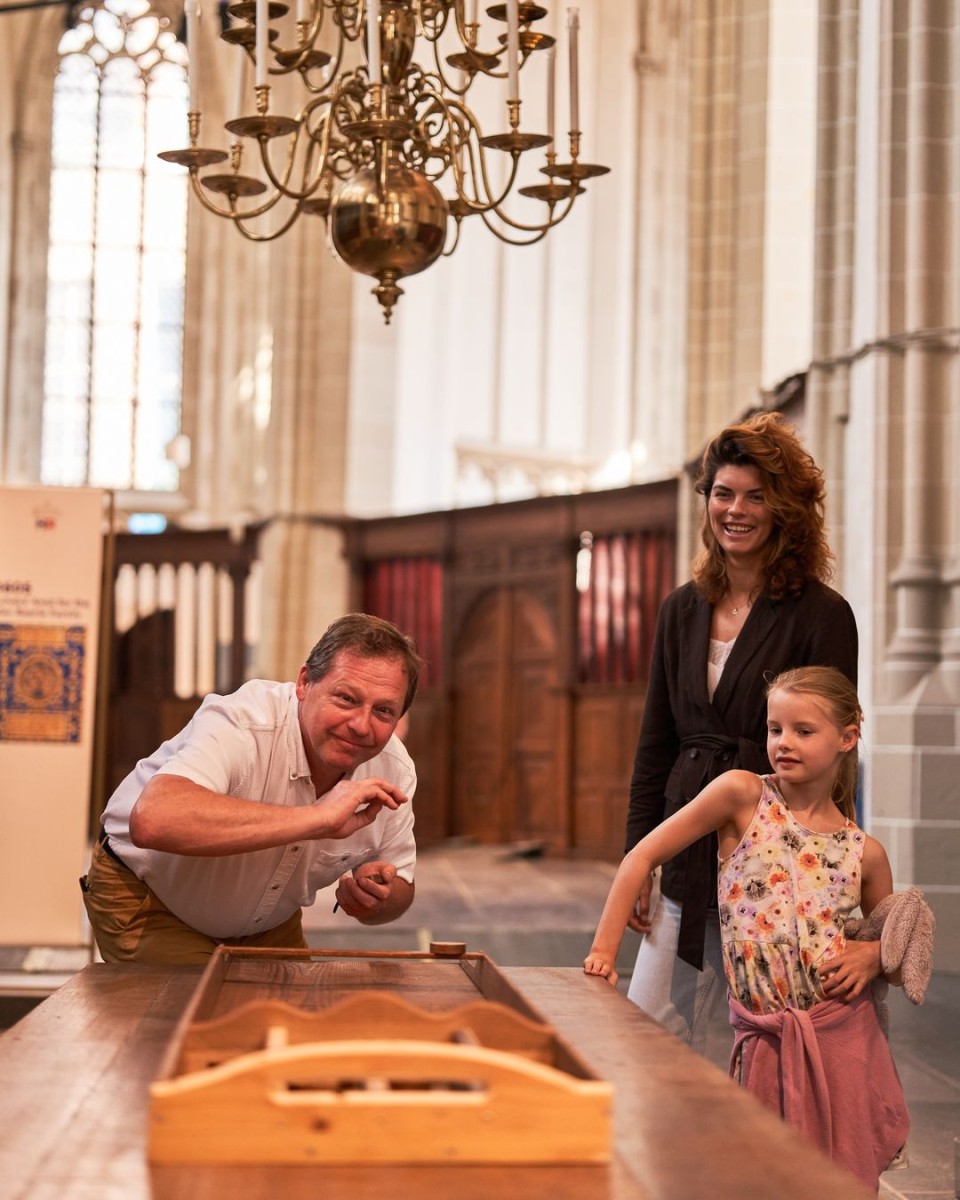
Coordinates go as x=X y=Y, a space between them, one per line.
x=369 y=637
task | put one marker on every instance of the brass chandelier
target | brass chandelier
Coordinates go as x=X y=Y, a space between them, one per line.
x=371 y=142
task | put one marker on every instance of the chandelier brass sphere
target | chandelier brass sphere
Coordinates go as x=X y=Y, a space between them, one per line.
x=387 y=224
x=371 y=144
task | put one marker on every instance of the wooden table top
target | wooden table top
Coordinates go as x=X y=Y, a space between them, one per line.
x=74 y=1095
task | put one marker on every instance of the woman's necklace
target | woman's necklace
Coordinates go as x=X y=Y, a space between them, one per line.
x=735 y=611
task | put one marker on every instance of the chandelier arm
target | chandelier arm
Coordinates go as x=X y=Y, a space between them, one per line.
x=327 y=160
x=446 y=83
x=436 y=29
x=495 y=205
x=298 y=53
x=309 y=185
x=332 y=69
x=476 y=152
x=281 y=184
x=490 y=202
x=353 y=32
x=298 y=57
x=460 y=17
x=231 y=212
x=207 y=203
x=551 y=223
x=313 y=149
x=239 y=218
x=435 y=32
x=448 y=250
x=539 y=231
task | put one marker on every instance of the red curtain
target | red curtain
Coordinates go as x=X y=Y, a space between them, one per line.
x=409 y=592
x=622 y=580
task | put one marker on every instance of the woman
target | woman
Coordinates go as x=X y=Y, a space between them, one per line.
x=757 y=605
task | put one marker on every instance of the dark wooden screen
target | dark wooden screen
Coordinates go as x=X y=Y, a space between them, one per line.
x=535 y=619
x=527 y=731
x=622 y=578
x=408 y=590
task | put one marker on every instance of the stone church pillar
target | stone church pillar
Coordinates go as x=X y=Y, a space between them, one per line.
x=929 y=220
x=916 y=761
x=828 y=380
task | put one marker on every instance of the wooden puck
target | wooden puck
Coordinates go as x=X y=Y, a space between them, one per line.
x=448 y=949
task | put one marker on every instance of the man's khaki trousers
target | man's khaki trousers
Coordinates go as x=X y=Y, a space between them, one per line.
x=131 y=925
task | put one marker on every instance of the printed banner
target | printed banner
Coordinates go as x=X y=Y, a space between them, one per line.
x=51 y=551
x=41 y=682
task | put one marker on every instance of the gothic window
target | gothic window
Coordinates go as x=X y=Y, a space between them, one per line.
x=116 y=260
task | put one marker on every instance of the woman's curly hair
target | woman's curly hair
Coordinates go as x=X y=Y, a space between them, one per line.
x=793 y=490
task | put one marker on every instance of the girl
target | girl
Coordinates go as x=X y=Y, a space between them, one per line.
x=793 y=866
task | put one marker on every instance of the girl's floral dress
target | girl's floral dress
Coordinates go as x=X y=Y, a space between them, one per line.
x=784 y=894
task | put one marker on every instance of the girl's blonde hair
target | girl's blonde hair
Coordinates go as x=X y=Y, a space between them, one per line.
x=839 y=698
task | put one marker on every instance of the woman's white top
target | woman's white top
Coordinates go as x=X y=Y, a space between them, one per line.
x=717 y=657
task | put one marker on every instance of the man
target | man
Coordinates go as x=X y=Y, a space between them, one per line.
x=267 y=795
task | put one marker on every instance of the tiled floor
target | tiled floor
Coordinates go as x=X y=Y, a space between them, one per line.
x=526 y=911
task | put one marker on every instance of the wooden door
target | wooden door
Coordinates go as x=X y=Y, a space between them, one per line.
x=510 y=719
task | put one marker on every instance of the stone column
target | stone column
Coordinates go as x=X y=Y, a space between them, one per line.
x=29 y=61
x=827 y=403
x=712 y=221
x=929 y=220
x=916 y=734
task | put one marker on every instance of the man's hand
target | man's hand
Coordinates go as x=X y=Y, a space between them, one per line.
x=374 y=893
x=354 y=803
x=179 y=816
x=639 y=919
x=844 y=977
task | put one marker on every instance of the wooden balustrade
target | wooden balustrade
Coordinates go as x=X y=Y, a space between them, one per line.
x=184 y=615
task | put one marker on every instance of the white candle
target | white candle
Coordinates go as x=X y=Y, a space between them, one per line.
x=238 y=92
x=191 y=10
x=551 y=92
x=471 y=12
x=573 y=31
x=302 y=16
x=262 y=19
x=513 y=50
x=373 y=39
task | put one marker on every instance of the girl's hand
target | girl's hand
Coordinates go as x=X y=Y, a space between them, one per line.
x=844 y=977
x=596 y=964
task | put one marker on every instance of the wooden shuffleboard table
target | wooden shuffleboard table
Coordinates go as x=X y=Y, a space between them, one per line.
x=75 y=1107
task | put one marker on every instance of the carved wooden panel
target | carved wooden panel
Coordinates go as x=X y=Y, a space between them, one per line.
x=480 y=721
x=428 y=739
x=606 y=725
x=509 y=717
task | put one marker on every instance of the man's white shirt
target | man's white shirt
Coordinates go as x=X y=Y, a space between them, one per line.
x=248 y=745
